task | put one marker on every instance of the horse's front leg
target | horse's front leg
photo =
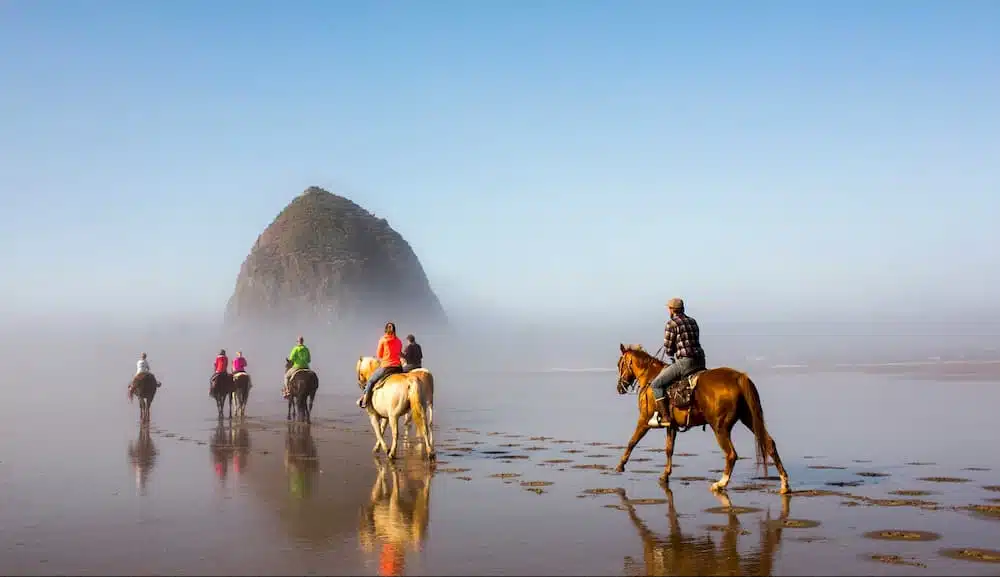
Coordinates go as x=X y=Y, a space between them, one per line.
x=378 y=427
x=640 y=431
x=289 y=408
x=229 y=398
x=669 y=447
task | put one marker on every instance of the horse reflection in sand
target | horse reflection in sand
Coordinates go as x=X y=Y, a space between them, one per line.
x=680 y=554
x=142 y=456
x=301 y=460
x=397 y=519
x=229 y=443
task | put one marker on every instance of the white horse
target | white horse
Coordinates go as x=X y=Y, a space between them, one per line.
x=401 y=394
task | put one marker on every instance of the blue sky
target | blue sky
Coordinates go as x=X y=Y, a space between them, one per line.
x=799 y=157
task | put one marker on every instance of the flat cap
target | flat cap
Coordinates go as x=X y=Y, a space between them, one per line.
x=675 y=303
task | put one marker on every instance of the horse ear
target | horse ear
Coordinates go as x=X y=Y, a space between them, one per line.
x=622 y=346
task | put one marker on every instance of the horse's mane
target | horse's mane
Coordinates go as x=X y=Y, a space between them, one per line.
x=642 y=358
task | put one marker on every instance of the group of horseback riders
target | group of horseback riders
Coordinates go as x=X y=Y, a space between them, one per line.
x=681 y=343
x=392 y=355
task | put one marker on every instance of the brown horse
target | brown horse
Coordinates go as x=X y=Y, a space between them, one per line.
x=680 y=554
x=241 y=393
x=144 y=385
x=721 y=397
x=302 y=389
x=222 y=389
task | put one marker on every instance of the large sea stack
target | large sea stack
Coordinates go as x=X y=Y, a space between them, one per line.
x=324 y=260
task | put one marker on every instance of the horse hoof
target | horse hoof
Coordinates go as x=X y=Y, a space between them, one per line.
x=717 y=488
x=785 y=490
x=620 y=469
x=432 y=456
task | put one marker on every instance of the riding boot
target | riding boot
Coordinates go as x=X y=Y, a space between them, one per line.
x=664 y=409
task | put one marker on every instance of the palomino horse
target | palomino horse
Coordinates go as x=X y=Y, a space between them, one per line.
x=144 y=385
x=680 y=554
x=397 y=519
x=302 y=389
x=722 y=396
x=241 y=393
x=221 y=390
x=395 y=396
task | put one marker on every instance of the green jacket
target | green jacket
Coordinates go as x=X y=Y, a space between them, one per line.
x=299 y=357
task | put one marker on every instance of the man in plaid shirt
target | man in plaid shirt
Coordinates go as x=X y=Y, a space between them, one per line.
x=680 y=341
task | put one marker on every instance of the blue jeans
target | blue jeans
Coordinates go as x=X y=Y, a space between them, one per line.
x=377 y=376
x=670 y=373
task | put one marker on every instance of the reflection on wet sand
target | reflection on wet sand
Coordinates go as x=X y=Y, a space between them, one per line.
x=227 y=444
x=142 y=456
x=301 y=460
x=397 y=517
x=680 y=554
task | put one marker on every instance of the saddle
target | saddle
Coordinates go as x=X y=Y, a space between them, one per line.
x=239 y=373
x=681 y=391
x=389 y=371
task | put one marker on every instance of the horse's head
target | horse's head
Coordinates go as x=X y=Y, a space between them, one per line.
x=288 y=364
x=364 y=368
x=628 y=366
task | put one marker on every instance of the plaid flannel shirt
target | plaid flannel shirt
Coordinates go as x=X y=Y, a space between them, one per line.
x=681 y=338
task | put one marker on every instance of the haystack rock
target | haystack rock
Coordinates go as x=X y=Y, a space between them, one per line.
x=324 y=260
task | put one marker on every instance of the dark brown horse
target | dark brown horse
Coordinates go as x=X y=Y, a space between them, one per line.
x=221 y=390
x=241 y=393
x=302 y=389
x=680 y=554
x=721 y=397
x=144 y=385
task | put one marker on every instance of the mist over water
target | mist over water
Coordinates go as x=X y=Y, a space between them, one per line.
x=74 y=465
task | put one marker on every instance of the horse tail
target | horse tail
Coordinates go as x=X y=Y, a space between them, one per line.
x=417 y=400
x=761 y=436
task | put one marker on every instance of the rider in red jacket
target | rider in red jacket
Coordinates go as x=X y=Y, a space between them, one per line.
x=221 y=362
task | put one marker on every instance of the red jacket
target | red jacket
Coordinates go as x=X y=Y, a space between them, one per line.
x=220 y=363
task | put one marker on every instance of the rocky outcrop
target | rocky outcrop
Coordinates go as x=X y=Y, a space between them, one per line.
x=325 y=260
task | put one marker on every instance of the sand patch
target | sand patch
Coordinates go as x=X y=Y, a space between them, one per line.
x=912 y=493
x=894 y=560
x=796 y=523
x=646 y=501
x=826 y=467
x=871 y=474
x=944 y=479
x=536 y=483
x=987 y=511
x=972 y=554
x=603 y=491
x=726 y=529
x=734 y=510
x=592 y=466
x=901 y=535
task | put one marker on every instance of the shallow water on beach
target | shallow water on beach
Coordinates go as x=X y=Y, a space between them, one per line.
x=517 y=489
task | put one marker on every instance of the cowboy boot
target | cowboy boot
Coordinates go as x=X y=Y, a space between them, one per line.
x=664 y=409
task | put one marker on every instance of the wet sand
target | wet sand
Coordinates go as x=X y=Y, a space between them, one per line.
x=515 y=490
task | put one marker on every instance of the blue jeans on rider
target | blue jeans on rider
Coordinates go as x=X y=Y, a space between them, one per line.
x=376 y=376
x=670 y=373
